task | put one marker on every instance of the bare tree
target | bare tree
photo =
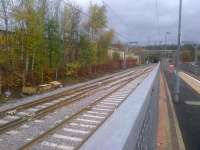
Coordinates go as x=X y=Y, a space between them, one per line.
x=5 y=6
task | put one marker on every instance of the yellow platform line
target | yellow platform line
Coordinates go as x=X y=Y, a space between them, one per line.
x=191 y=81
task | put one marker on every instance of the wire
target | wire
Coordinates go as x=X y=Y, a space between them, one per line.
x=157 y=20
x=87 y=15
x=109 y=7
x=114 y=13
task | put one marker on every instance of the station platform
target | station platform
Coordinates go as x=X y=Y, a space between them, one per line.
x=169 y=136
x=187 y=109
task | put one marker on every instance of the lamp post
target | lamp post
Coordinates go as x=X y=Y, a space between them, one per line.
x=166 y=34
x=164 y=53
x=177 y=86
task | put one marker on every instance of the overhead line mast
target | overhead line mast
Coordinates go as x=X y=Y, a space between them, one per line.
x=177 y=62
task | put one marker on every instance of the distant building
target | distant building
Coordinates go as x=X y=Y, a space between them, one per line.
x=128 y=55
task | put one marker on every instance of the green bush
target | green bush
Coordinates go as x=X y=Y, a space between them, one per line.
x=116 y=56
x=72 y=70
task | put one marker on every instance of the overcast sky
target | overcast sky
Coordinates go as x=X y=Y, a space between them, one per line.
x=136 y=20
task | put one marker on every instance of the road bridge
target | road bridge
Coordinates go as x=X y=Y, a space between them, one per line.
x=152 y=55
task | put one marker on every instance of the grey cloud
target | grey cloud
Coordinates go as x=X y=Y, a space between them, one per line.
x=139 y=19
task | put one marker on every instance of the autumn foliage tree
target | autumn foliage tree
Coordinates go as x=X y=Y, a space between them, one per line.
x=45 y=40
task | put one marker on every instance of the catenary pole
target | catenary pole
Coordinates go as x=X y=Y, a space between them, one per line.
x=177 y=62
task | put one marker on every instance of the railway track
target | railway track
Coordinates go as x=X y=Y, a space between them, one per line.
x=117 y=88
x=73 y=131
x=35 y=110
x=192 y=75
x=70 y=91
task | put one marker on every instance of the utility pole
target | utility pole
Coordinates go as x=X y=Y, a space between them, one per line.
x=125 y=50
x=177 y=86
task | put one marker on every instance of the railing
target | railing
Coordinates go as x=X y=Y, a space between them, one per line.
x=134 y=124
x=195 y=69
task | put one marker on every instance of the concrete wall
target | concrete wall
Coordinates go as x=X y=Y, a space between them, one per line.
x=133 y=125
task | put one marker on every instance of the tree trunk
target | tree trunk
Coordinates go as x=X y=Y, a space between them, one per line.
x=0 y=84
x=32 y=65
x=42 y=76
x=90 y=69
x=95 y=69
x=56 y=74
x=26 y=68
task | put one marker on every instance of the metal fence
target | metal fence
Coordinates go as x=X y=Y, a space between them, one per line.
x=195 y=69
x=134 y=124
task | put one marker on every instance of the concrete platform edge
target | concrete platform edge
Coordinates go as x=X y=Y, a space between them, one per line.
x=181 y=144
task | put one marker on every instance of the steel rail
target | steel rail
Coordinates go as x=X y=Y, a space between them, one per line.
x=41 y=113
x=59 y=95
x=65 y=121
